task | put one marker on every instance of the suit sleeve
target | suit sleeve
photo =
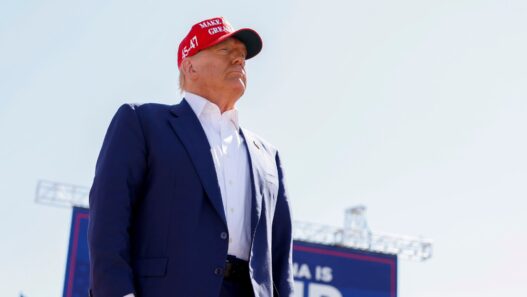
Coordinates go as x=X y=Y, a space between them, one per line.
x=282 y=240
x=117 y=184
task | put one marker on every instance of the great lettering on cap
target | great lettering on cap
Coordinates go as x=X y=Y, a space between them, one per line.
x=213 y=31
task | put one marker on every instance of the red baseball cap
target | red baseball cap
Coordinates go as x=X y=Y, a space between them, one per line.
x=213 y=31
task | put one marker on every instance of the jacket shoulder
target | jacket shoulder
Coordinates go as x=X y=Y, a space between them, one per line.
x=145 y=110
x=147 y=107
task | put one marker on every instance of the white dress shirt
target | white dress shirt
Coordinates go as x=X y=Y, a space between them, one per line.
x=231 y=162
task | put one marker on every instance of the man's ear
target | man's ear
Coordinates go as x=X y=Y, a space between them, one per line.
x=188 y=68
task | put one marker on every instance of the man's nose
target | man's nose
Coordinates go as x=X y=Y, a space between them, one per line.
x=239 y=59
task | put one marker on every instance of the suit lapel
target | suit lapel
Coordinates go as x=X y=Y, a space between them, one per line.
x=253 y=148
x=188 y=128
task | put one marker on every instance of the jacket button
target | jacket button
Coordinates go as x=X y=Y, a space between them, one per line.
x=218 y=271
x=223 y=235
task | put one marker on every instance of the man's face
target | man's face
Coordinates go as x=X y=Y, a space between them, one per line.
x=221 y=68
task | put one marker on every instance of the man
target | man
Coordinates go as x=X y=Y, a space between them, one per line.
x=185 y=202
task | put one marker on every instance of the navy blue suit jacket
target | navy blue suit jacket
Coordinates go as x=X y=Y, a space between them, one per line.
x=157 y=225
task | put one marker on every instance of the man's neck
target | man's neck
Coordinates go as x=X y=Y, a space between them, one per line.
x=223 y=101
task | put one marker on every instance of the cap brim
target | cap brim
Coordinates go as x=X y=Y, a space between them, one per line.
x=251 y=39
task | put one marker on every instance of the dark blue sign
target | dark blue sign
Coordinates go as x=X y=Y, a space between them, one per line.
x=319 y=270
x=77 y=277
x=328 y=271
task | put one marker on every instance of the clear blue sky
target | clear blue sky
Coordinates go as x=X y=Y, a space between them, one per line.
x=417 y=109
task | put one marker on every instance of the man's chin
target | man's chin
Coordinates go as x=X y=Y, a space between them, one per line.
x=238 y=85
x=240 y=91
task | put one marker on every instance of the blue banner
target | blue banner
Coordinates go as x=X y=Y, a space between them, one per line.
x=319 y=270
x=329 y=271
x=77 y=277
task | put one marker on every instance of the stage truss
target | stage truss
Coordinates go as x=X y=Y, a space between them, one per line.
x=355 y=233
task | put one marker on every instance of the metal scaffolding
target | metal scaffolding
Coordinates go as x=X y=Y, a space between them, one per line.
x=62 y=195
x=355 y=233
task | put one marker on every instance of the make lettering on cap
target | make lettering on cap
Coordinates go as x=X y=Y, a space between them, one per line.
x=213 y=31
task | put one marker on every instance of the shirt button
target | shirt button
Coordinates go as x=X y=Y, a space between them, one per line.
x=223 y=235
x=231 y=209
x=218 y=271
x=230 y=182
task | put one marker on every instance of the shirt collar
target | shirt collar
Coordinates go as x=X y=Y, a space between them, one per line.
x=203 y=109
